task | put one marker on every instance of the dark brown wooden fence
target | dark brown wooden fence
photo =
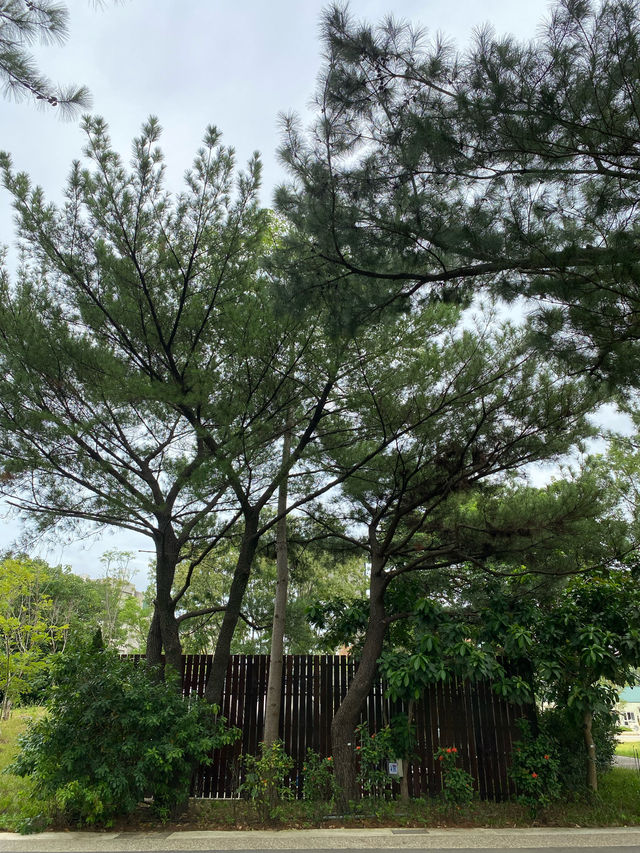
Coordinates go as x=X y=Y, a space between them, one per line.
x=466 y=715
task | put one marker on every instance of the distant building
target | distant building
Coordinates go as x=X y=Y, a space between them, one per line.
x=628 y=708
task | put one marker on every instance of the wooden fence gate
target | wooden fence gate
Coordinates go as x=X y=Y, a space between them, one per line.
x=469 y=716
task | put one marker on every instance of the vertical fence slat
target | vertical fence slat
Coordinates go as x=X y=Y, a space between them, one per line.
x=326 y=688
x=287 y=686
x=315 y=739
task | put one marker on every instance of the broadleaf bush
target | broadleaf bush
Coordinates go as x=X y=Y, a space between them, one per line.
x=457 y=784
x=374 y=751
x=114 y=734
x=568 y=737
x=535 y=769
x=265 y=779
x=318 y=781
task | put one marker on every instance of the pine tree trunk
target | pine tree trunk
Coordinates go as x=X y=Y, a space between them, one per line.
x=274 y=686
x=172 y=646
x=592 y=776
x=164 y=629
x=154 y=642
x=348 y=714
x=215 y=683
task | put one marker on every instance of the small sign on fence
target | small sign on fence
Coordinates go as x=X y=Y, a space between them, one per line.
x=395 y=767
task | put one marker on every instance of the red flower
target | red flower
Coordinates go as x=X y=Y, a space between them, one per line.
x=448 y=749
x=441 y=758
x=546 y=758
x=453 y=749
x=329 y=758
x=535 y=775
x=358 y=747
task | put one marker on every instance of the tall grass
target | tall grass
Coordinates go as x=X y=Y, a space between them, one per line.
x=20 y=809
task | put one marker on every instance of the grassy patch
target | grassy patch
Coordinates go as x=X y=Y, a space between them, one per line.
x=20 y=809
x=628 y=748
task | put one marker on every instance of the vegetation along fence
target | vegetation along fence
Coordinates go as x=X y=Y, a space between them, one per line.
x=469 y=716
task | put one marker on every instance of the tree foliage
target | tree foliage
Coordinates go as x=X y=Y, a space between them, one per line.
x=317 y=574
x=28 y=632
x=23 y=22
x=509 y=166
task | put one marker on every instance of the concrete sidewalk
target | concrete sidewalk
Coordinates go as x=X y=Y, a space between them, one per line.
x=319 y=839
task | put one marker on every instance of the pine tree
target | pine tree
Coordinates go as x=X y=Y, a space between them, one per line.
x=509 y=167
x=123 y=321
x=456 y=416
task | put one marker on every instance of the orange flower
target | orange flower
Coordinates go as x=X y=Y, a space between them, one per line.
x=441 y=758
x=546 y=757
x=453 y=749
x=329 y=758
x=535 y=775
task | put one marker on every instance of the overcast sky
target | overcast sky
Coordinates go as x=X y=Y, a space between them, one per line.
x=193 y=63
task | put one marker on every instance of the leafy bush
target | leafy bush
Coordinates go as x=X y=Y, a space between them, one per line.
x=374 y=751
x=566 y=726
x=265 y=779
x=457 y=784
x=318 y=781
x=535 y=769
x=112 y=735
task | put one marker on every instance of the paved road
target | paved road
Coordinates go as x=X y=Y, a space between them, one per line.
x=615 y=849
x=625 y=761
x=618 y=840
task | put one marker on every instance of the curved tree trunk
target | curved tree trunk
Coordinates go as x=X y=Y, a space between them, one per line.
x=592 y=776
x=215 y=682
x=348 y=714
x=274 y=686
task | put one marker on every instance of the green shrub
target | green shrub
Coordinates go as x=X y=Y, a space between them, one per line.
x=566 y=727
x=265 y=779
x=318 y=781
x=535 y=769
x=374 y=752
x=457 y=784
x=112 y=735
